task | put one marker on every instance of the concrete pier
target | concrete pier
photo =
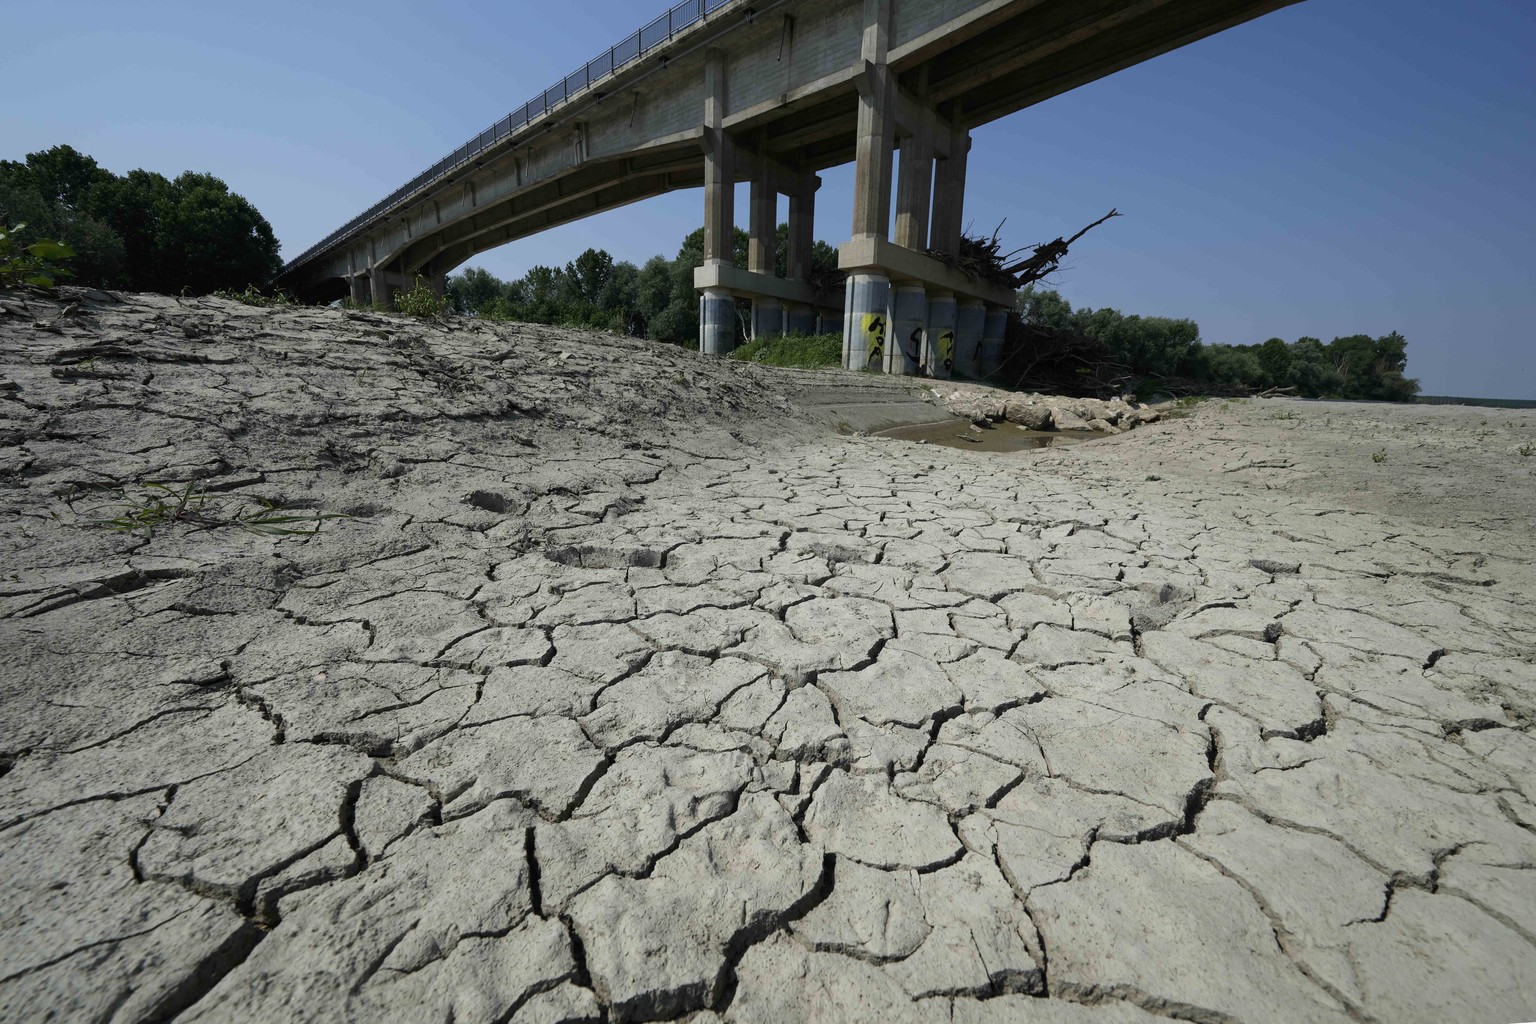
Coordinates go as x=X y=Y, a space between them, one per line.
x=970 y=323
x=800 y=320
x=717 y=309
x=717 y=322
x=767 y=313
x=909 y=321
x=767 y=318
x=992 y=337
x=866 y=323
x=949 y=194
x=939 y=338
x=379 y=293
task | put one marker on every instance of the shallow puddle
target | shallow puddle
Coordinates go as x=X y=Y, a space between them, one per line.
x=1001 y=437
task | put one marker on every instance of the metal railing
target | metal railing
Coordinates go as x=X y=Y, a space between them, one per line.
x=631 y=49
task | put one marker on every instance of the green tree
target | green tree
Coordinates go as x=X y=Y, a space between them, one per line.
x=141 y=231
x=1044 y=307
x=1311 y=372
x=1391 y=364
x=210 y=238
x=474 y=291
x=132 y=206
x=60 y=175
x=1275 y=360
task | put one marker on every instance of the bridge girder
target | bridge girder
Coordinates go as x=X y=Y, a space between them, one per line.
x=792 y=78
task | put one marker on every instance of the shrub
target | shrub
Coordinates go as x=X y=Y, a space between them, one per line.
x=253 y=296
x=808 y=351
x=421 y=301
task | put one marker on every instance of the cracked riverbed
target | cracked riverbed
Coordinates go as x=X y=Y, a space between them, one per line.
x=633 y=690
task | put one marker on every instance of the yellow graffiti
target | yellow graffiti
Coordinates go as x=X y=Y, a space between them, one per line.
x=874 y=340
x=947 y=351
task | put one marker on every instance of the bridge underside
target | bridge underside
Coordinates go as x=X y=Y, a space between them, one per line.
x=770 y=94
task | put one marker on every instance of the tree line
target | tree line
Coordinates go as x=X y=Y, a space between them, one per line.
x=1161 y=349
x=140 y=231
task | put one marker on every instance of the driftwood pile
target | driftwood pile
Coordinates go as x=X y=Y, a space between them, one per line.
x=984 y=259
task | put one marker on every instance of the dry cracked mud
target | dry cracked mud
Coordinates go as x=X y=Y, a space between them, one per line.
x=633 y=690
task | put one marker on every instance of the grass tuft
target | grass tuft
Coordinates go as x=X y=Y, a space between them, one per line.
x=807 y=351
x=253 y=296
x=155 y=505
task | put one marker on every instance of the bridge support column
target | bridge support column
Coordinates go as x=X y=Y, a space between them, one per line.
x=379 y=291
x=799 y=320
x=767 y=313
x=939 y=339
x=717 y=322
x=970 y=322
x=865 y=321
x=914 y=191
x=358 y=286
x=767 y=318
x=992 y=337
x=909 y=318
x=949 y=194
x=717 y=310
x=802 y=210
x=439 y=284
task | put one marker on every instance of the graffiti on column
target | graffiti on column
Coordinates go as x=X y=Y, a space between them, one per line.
x=915 y=348
x=947 y=351
x=874 y=340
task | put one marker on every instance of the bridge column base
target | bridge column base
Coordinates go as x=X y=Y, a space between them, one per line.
x=909 y=319
x=357 y=288
x=717 y=322
x=939 y=339
x=767 y=318
x=992 y=337
x=865 y=321
x=800 y=320
x=970 y=323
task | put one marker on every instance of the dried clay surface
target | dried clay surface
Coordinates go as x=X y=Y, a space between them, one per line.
x=639 y=686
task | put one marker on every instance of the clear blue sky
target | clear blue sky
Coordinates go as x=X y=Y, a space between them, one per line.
x=1340 y=166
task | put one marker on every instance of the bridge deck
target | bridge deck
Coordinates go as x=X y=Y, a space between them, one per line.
x=628 y=125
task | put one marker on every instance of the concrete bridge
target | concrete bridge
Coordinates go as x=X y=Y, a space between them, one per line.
x=717 y=92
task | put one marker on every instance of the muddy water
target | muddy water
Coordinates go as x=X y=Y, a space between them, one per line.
x=1001 y=437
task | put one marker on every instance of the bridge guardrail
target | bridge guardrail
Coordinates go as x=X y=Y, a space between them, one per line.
x=630 y=49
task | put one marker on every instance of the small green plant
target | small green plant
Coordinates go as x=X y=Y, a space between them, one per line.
x=1380 y=456
x=34 y=265
x=421 y=301
x=253 y=296
x=1528 y=450
x=154 y=505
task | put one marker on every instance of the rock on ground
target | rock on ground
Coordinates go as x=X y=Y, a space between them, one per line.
x=619 y=685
